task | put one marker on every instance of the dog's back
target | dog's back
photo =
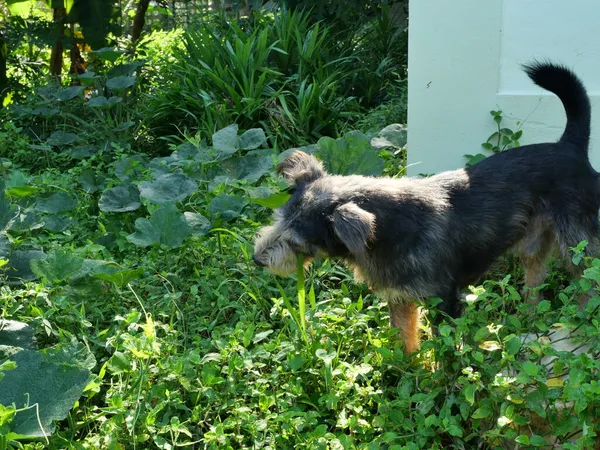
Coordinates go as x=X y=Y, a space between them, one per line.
x=527 y=196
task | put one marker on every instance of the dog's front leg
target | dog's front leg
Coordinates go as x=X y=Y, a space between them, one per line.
x=405 y=315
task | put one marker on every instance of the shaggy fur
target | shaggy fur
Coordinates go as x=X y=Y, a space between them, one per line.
x=411 y=238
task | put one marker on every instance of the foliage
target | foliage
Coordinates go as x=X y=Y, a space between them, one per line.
x=57 y=125
x=37 y=387
x=392 y=111
x=500 y=140
x=195 y=344
x=278 y=73
x=227 y=172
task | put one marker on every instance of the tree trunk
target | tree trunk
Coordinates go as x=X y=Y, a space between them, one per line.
x=139 y=20
x=78 y=64
x=56 y=57
x=3 y=72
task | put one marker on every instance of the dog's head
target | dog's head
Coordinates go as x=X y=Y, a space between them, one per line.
x=316 y=221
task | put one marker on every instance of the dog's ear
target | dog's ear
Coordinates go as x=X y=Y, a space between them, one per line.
x=354 y=227
x=300 y=167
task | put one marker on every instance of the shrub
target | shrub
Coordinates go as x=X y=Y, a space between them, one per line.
x=277 y=73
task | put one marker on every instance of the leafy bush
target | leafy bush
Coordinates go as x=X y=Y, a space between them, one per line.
x=280 y=74
x=66 y=124
x=392 y=111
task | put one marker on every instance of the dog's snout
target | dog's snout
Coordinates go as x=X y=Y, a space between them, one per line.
x=257 y=261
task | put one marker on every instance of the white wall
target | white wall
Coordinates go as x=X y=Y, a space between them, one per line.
x=464 y=60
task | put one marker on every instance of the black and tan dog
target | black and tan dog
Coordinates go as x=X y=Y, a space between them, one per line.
x=411 y=238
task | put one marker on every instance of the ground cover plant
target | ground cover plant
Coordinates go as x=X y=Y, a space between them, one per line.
x=132 y=316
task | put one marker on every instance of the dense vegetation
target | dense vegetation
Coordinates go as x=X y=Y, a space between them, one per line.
x=134 y=175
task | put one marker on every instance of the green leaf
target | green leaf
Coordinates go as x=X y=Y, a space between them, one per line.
x=121 y=278
x=91 y=267
x=445 y=330
x=57 y=223
x=251 y=139
x=166 y=226
x=28 y=220
x=472 y=160
x=172 y=187
x=120 y=199
x=481 y=334
x=21 y=8
x=228 y=207
x=261 y=336
x=522 y=439
x=531 y=369
x=455 y=430
x=22 y=191
x=296 y=362
x=512 y=344
x=469 y=393
x=108 y=54
x=17 y=334
x=56 y=203
x=87 y=78
x=199 y=225
x=122 y=126
x=249 y=168
x=125 y=69
x=4 y=246
x=19 y=264
x=394 y=135
x=7 y=413
x=118 y=364
x=130 y=168
x=273 y=201
x=226 y=141
x=82 y=151
x=482 y=413
x=8 y=212
x=72 y=353
x=69 y=93
x=538 y=441
x=16 y=178
x=351 y=154
x=58 y=266
x=60 y=138
x=543 y=307
x=37 y=380
x=90 y=181
x=103 y=102
x=122 y=82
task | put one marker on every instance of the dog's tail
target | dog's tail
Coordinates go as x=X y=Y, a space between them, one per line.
x=568 y=87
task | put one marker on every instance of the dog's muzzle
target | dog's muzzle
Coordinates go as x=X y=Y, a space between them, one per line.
x=257 y=261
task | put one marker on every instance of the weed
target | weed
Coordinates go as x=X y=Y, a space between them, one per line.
x=500 y=140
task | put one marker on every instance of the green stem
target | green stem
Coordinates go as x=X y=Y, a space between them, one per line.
x=301 y=295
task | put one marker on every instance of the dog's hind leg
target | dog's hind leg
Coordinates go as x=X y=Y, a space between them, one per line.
x=450 y=303
x=536 y=271
x=405 y=316
x=534 y=251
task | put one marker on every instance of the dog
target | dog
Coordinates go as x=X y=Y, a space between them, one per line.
x=413 y=238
